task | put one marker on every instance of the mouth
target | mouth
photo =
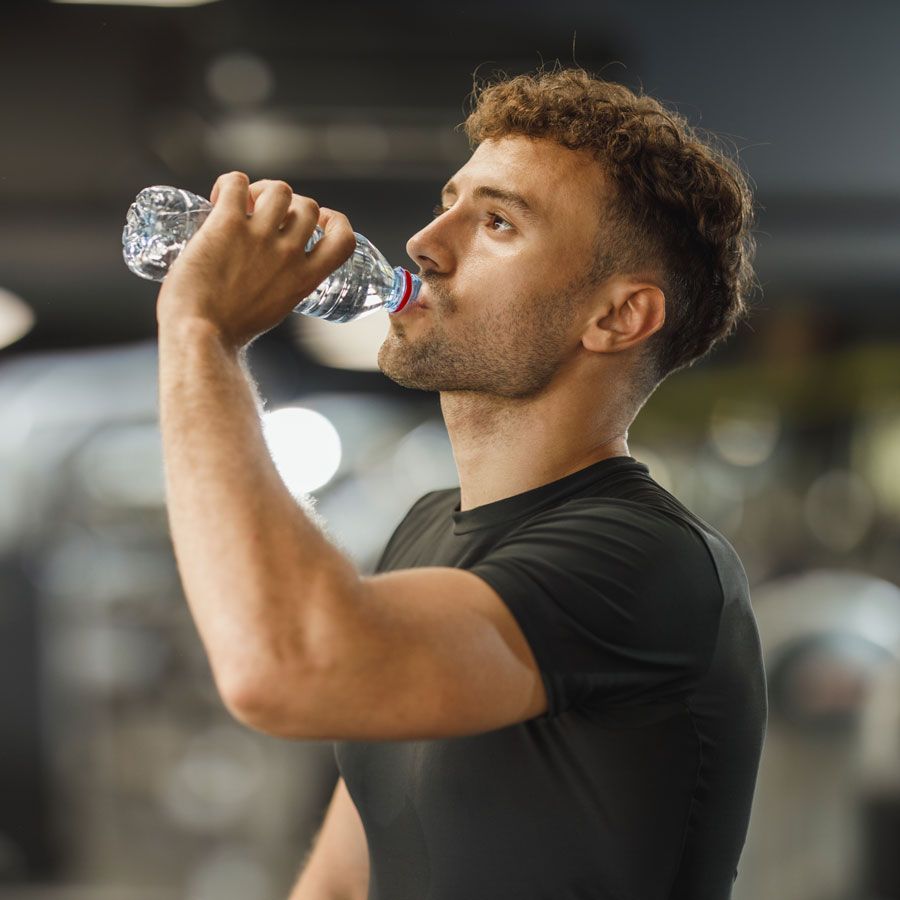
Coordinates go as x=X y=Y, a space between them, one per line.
x=423 y=297
x=418 y=302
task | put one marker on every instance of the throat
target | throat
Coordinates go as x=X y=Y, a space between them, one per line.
x=505 y=447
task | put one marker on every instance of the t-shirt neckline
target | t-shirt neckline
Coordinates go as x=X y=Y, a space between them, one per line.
x=510 y=508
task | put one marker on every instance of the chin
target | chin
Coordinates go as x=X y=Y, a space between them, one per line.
x=408 y=369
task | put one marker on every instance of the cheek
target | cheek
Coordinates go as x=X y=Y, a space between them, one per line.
x=491 y=283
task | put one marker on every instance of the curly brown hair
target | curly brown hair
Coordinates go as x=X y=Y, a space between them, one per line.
x=682 y=208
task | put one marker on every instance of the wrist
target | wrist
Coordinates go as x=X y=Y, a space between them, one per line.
x=192 y=330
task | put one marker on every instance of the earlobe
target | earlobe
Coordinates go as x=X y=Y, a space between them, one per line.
x=635 y=312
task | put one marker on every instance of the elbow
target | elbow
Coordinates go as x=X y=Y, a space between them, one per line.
x=273 y=698
x=278 y=679
x=246 y=700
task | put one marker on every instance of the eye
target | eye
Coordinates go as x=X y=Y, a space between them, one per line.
x=438 y=210
x=498 y=223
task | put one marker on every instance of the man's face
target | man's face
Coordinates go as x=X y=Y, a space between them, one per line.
x=505 y=269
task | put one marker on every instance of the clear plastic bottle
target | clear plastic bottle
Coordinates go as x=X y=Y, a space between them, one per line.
x=163 y=219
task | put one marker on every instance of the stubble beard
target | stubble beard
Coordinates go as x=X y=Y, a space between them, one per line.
x=500 y=355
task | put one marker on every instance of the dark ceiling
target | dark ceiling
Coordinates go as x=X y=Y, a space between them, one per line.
x=360 y=101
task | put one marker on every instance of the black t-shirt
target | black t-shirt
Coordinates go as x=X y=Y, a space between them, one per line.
x=637 y=782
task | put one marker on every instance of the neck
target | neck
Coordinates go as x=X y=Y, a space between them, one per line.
x=507 y=446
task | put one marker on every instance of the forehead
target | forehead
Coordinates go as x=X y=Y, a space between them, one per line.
x=553 y=179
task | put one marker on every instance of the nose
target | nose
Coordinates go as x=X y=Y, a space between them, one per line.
x=429 y=247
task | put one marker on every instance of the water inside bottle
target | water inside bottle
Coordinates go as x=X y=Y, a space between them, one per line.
x=358 y=287
x=157 y=226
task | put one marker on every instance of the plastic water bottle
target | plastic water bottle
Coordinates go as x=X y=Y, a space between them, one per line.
x=163 y=219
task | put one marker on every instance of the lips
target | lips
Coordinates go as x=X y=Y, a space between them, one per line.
x=421 y=302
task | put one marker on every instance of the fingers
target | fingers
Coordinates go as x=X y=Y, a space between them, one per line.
x=274 y=206
x=230 y=193
x=277 y=208
x=339 y=241
x=284 y=222
x=330 y=220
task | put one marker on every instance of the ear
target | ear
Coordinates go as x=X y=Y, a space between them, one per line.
x=629 y=312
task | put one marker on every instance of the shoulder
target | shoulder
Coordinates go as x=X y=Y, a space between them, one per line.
x=618 y=600
x=650 y=567
x=630 y=530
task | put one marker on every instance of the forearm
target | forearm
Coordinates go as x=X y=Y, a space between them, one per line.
x=338 y=866
x=256 y=572
x=312 y=886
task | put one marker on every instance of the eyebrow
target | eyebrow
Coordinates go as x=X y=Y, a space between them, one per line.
x=484 y=191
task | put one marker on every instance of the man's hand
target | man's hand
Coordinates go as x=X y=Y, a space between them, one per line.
x=247 y=267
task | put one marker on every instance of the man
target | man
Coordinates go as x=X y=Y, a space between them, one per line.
x=553 y=687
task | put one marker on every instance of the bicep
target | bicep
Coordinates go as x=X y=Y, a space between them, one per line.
x=618 y=608
x=338 y=868
x=415 y=654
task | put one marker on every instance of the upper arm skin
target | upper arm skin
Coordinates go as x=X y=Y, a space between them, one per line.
x=338 y=868
x=412 y=654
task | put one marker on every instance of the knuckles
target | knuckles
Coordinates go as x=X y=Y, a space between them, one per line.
x=282 y=188
x=306 y=207
x=288 y=249
x=238 y=177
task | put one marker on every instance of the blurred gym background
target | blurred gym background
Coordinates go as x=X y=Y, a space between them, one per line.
x=121 y=776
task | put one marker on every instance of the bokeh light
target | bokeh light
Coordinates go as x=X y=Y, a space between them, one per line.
x=744 y=431
x=305 y=447
x=16 y=318
x=239 y=78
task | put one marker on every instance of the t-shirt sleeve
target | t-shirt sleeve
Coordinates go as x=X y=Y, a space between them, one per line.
x=620 y=604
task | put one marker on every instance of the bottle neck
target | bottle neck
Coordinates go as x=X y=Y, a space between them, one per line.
x=404 y=291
